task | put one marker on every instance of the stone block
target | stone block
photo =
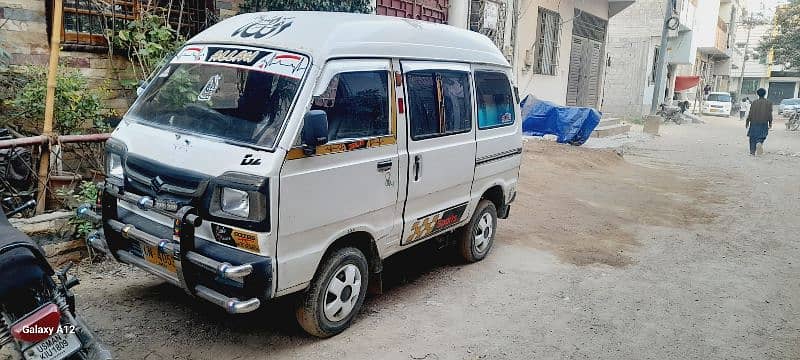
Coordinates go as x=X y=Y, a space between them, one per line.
x=652 y=124
x=26 y=26
x=23 y=4
x=75 y=62
x=29 y=59
x=26 y=15
x=100 y=63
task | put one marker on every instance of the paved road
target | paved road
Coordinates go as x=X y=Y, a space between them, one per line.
x=687 y=248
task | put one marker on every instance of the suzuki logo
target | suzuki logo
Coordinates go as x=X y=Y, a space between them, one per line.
x=156 y=184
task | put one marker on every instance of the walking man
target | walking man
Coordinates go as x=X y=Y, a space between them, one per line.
x=758 y=122
x=744 y=108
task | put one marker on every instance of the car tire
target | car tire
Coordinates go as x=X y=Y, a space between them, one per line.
x=475 y=240
x=335 y=295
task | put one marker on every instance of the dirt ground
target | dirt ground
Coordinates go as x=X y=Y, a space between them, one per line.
x=685 y=248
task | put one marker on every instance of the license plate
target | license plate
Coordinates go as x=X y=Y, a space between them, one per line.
x=56 y=347
x=156 y=257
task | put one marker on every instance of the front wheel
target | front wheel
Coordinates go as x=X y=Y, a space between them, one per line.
x=335 y=294
x=476 y=238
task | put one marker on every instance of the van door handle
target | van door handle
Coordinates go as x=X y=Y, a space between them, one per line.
x=384 y=165
x=417 y=166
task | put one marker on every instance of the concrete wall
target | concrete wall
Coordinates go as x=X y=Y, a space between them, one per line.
x=705 y=28
x=548 y=87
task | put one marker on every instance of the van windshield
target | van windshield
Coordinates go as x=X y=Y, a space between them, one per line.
x=719 y=97
x=232 y=103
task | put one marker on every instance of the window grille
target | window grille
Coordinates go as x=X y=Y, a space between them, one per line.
x=86 y=23
x=548 y=42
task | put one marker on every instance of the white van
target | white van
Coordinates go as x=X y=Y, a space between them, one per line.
x=290 y=152
x=718 y=103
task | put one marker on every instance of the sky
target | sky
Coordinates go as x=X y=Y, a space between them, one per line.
x=767 y=6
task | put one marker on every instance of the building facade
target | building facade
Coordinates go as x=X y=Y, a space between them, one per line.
x=699 y=45
x=760 y=70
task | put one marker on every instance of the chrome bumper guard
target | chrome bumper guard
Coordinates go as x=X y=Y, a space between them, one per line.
x=185 y=221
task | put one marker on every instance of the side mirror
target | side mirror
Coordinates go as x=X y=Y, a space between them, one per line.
x=315 y=130
x=140 y=88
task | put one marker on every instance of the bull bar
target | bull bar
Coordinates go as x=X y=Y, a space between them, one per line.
x=188 y=260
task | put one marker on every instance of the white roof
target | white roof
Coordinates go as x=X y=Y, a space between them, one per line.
x=326 y=35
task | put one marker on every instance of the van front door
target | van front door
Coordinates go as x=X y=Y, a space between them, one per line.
x=349 y=184
x=441 y=148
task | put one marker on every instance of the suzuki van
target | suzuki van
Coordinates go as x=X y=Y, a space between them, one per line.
x=292 y=152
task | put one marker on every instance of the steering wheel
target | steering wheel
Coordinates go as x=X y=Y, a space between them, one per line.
x=213 y=121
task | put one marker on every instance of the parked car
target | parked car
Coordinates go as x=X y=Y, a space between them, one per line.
x=291 y=152
x=717 y=103
x=785 y=104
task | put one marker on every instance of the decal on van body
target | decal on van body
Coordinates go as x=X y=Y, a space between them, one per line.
x=435 y=223
x=237 y=238
x=339 y=147
x=264 y=26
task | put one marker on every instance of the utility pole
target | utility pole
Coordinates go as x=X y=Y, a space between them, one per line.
x=49 y=105
x=658 y=93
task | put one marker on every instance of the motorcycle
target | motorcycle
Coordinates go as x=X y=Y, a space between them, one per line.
x=792 y=119
x=37 y=314
x=670 y=113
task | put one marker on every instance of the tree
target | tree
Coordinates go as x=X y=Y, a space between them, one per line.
x=784 y=41
x=355 y=6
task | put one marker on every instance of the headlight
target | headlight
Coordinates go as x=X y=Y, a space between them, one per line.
x=114 y=166
x=235 y=202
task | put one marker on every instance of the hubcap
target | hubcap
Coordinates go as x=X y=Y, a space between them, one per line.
x=483 y=233
x=342 y=293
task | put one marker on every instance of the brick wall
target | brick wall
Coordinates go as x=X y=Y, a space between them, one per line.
x=24 y=37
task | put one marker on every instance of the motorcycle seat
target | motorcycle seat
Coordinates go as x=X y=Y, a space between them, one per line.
x=19 y=266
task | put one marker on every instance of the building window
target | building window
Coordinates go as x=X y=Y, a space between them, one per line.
x=495 y=102
x=547 y=42
x=654 y=68
x=359 y=107
x=87 y=22
x=439 y=103
x=750 y=85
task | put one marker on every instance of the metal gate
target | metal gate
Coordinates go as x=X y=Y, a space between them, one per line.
x=583 y=82
x=585 y=60
x=780 y=90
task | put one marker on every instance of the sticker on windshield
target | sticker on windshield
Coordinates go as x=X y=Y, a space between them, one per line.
x=210 y=88
x=281 y=63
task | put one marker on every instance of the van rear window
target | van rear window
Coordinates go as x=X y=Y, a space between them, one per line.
x=495 y=99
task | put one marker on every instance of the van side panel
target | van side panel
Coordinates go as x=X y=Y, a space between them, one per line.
x=499 y=150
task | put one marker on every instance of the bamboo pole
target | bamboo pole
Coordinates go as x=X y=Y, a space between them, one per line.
x=49 y=103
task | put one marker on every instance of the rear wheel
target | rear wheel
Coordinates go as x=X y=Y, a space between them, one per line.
x=335 y=295
x=476 y=238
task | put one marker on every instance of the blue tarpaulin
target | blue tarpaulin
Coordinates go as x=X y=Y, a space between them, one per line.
x=572 y=125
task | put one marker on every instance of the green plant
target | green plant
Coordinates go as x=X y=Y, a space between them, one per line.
x=355 y=6
x=77 y=107
x=148 y=41
x=87 y=193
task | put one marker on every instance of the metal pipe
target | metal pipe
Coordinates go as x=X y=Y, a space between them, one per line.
x=223 y=269
x=232 y=305
x=129 y=231
x=128 y=258
x=658 y=93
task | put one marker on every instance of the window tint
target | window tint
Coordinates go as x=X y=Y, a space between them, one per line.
x=495 y=100
x=357 y=104
x=439 y=103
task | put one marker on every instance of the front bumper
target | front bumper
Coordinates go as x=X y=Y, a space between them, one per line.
x=203 y=268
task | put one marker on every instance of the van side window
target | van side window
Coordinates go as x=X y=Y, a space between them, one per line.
x=357 y=104
x=495 y=99
x=439 y=103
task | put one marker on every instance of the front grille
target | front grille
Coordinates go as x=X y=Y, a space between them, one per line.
x=149 y=177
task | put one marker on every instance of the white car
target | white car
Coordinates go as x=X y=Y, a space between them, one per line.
x=788 y=104
x=288 y=152
x=717 y=103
